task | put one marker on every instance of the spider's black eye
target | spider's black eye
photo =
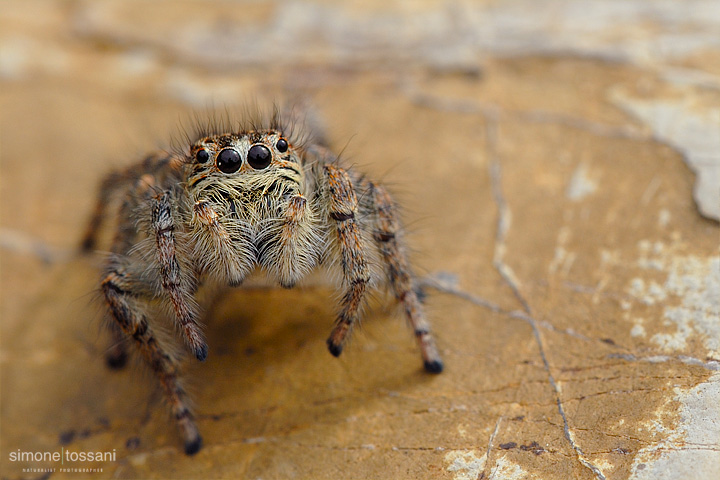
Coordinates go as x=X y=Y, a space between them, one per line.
x=282 y=145
x=229 y=161
x=259 y=156
x=202 y=156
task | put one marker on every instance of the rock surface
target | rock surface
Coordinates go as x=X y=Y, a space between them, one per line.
x=560 y=173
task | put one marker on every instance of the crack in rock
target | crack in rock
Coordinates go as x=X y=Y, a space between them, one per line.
x=508 y=276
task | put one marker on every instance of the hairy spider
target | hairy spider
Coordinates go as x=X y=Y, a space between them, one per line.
x=263 y=197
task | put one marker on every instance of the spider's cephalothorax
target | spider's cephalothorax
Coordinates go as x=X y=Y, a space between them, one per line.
x=253 y=205
x=231 y=204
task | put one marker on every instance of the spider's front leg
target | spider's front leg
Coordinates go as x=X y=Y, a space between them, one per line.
x=342 y=209
x=178 y=289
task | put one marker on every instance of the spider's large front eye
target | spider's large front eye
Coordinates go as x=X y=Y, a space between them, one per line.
x=229 y=161
x=259 y=156
x=202 y=156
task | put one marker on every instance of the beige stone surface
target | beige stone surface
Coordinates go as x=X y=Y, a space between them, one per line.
x=559 y=173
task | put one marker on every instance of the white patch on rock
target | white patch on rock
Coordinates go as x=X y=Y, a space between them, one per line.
x=449 y=33
x=693 y=449
x=693 y=129
x=563 y=259
x=664 y=218
x=504 y=469
x=581 y=184
x=638 y=331
x=690 y=297
x=465 y=464
x=22 y=57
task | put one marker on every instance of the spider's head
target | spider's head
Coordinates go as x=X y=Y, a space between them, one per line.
x=247 y=152
x=261 y=161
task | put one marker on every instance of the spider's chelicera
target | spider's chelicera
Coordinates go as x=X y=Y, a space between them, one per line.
x=255 y=199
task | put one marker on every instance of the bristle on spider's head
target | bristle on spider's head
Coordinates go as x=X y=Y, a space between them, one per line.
x=297 y=122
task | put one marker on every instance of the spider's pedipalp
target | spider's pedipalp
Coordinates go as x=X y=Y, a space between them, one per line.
x=291 y=249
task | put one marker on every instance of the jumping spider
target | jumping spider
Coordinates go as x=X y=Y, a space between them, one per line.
x=259 y=198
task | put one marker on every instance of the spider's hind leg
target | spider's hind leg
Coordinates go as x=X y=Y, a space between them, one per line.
x=122 y=290
x=116 y=355
x=125 y=235
x=400 y=276
x=130 y=180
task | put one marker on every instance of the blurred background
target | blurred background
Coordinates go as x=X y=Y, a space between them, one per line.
x=558 y=163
